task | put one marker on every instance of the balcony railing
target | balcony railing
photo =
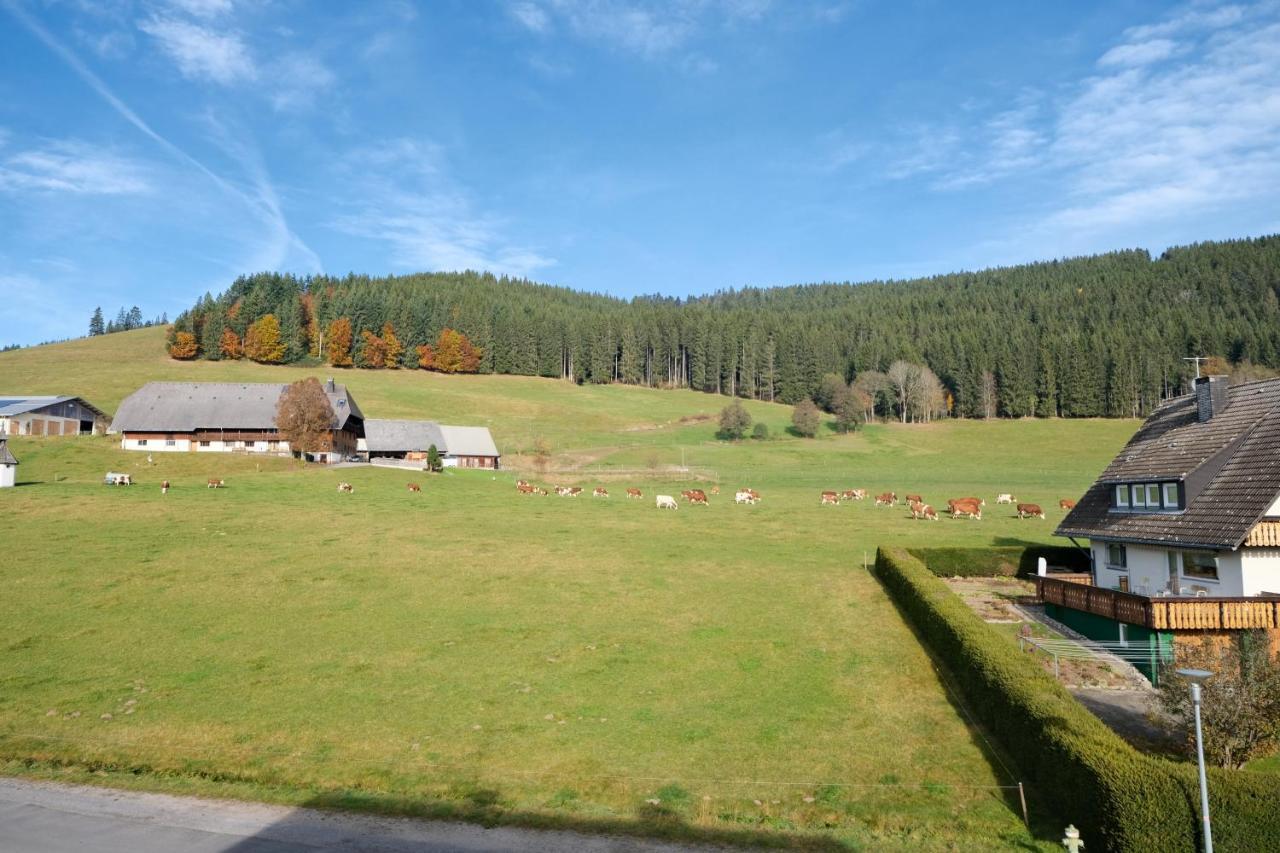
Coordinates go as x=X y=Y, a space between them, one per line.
x=1161 y=613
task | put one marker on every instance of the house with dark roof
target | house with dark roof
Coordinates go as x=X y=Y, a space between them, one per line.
x=24 y=414
x=225 y=417
x=1183 y=527
x=459 y=446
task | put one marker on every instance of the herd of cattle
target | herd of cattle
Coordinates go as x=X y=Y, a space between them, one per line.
x=968 y=507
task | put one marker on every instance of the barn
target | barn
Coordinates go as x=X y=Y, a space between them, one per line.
x=22 y=414
x=225 y=417
x=459 y=446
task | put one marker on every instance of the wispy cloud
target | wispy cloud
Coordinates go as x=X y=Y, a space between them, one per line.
x=203 y=8
x=298 y=79
x=532 y=16
x=72 y=166
x=200 y=52
x=1139 y=53
x=428 y=221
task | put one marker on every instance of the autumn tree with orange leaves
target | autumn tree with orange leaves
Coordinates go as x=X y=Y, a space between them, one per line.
x=304 y=416
x=262 y=341
x=452 y=353
x=183 y=346
x=338 y=341
x=394 y=349
x=230 y=344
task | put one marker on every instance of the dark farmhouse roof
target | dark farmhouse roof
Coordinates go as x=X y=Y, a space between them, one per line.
x=191 y=406
x=20 y=404
x=383 y=436
x=1229 y=467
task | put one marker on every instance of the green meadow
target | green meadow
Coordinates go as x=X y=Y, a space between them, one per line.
x=726 y=673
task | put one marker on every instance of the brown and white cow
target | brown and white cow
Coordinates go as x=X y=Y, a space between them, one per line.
x=634 y=493
x=574 y=491
x=715 y=490
x=346 y=487
x=858 y=494
x=1004 y=498
x=1066 y=503
x=526 y=489
x=697 y=496
x=164 y=487
x=600 y=492
x=886 y=499
x=1030 y=511
x=914 y=499
x=216 y=484
x=414 y=487
x=920 y=510
x=520 y=483
x=743 y=496
x=830 y=499
x=962 y=507
x=980 y=501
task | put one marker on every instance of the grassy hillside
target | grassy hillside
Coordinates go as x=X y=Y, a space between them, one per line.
x=470 y=651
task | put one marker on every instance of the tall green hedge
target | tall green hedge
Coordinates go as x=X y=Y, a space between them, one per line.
x=1076 y=767
x=997 y=561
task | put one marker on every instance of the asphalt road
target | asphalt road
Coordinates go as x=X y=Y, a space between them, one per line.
x=41 y=817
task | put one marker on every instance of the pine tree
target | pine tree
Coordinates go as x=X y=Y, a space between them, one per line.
x=96 y=326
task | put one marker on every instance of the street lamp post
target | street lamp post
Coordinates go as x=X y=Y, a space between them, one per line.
x=1198 y=677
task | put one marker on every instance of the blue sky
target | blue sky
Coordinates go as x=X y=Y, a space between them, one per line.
x=152 y=150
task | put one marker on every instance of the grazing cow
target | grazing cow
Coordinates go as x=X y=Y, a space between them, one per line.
x=1030 y=511
x=886 y=499
x=667 y=502
x=715 y=490
x=414 y=487
x=164 y=487
x=755 y=496
x=830 y=499
x=520 y=483
x=858 y=494
x=920 y=510
x=346 y=487
x=743 y=496
x=574 y=491
x=697 y=496
x=526 y=489
x=634 y=493
x=914 y=499
x=216 y=484
x=1004 y=498
x=600 y=492
x=846 y=495
x=979 y=501
x=961 y=507
x=1066 y=503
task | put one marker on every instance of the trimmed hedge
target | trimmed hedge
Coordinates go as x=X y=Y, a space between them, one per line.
x=1005 y=561
x=1077 y=768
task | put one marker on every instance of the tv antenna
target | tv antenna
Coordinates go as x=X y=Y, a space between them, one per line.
x=1197 y=359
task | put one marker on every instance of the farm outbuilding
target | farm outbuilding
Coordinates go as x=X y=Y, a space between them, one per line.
x=25 y=414
x=459 y=446
x=8 y=466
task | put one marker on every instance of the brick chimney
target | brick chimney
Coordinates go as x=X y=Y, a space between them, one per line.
x=1211 y=397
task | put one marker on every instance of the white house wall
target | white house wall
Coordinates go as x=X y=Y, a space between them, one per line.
x=8 y=475
x=1260 y=570
x=1148 y=572
x=156 y=445
x=1274 y=509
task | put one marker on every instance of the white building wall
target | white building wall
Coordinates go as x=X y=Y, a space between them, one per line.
x=156 y=445
x=1274 y=509
x=1260 y=570
x=1148 y=572
x=8 y=475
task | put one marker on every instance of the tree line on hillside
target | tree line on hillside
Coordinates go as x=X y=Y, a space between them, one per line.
x=1105 y=335
x=125 y=321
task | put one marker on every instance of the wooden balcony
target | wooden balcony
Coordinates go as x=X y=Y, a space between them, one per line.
x=1172 y=613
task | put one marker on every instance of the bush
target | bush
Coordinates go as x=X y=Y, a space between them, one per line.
x=1077 y=768
x=761 y=431
x=1005 y=561
x=734 y=421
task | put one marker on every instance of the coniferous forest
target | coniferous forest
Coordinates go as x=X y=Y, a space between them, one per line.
x=1096 y=336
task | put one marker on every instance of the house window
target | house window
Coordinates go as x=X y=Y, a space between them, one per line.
x=1200 y=564
x=1122 y=497
x=142 y=442
x=1139 y=496
x=1153 y=495
x=1171 y=496
x=169 y=442
x=204 y=443
x=1117 y=558
x=273 y=445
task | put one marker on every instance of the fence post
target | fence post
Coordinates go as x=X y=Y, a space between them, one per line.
x=1023 y=797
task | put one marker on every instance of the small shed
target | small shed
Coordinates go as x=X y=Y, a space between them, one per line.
x=8 y=466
